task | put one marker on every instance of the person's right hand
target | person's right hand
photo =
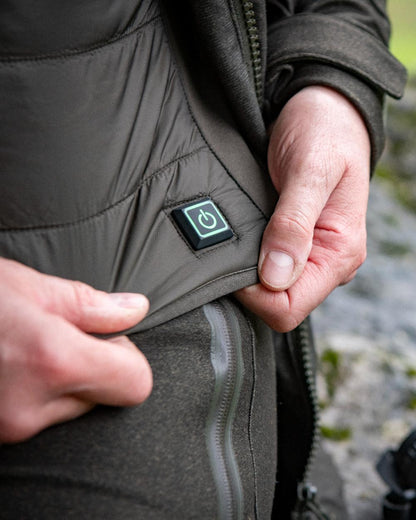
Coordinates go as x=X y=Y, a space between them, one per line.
x=51 y=369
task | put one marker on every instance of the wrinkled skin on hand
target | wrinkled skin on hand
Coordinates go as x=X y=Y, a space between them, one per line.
x=319 y=162
x=51 y=369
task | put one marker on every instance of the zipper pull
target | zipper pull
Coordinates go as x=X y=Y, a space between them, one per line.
x=307 y=506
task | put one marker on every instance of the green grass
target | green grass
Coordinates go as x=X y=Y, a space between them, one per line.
x=336 y=434
x=403 y=39
x=330 y=365
x=411 y=405
x=411 y=372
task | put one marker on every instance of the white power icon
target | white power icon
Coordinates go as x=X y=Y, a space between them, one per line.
x=207 y=219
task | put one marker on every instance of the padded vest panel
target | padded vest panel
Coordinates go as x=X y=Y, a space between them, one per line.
x=97 y=147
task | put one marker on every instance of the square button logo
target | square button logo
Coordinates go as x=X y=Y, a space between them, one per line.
x=202 y=223
x=205 y=218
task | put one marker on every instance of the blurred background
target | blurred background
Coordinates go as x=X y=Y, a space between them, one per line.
x=366 y=331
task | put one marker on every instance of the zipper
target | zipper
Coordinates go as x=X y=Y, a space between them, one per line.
x=254 y=47
x=304 y=337
x=227 y=362
x=307 y=506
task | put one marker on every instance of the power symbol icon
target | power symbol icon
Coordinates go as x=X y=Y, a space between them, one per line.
x=207 y=219
x=202 y=223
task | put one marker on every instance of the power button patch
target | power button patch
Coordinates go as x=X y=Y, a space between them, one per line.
x=202 y=223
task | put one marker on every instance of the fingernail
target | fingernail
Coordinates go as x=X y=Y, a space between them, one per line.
x=277 y=269
x=128 y=300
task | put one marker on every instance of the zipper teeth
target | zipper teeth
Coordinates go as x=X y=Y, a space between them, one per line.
x=224 y=408
x=307 y=506
x=304 y=340
x=254 y=44
x=221 y=417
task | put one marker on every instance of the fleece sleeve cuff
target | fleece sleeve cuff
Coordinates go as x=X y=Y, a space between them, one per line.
x=313 y=49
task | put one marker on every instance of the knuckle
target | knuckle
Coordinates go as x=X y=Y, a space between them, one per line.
x=80 y=298
x=353 y=250
x=288 y=319
x=53 y=369
x=142 y=388
x=82 y=294
x=358 y=259
x=362 y=255
x=359 y=250
x=286 y=323
x=49 y=360
x=295 y=222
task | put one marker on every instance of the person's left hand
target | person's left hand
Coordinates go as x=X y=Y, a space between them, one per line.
x=319 y=162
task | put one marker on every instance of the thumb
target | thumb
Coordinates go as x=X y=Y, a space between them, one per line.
x=92 y=310
x=87 y=308
x=288 y=237
x=286 y=244
x=310 y=151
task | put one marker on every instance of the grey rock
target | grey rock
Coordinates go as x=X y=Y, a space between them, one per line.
x=371 y=324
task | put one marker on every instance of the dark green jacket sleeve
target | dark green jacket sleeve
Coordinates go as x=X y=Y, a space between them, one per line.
x=338 y=44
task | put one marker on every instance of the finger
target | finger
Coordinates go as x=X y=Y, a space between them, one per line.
x=309 y=153
x=112 y=372
x=325 y=270
x=89 y=309
x=50 y=359
x=61 y=410
x=282 y=310
x=92 y=310
x=305 y=188
x=29 y=421
x=122 y=377
x=287 y=240
x=64 y=409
